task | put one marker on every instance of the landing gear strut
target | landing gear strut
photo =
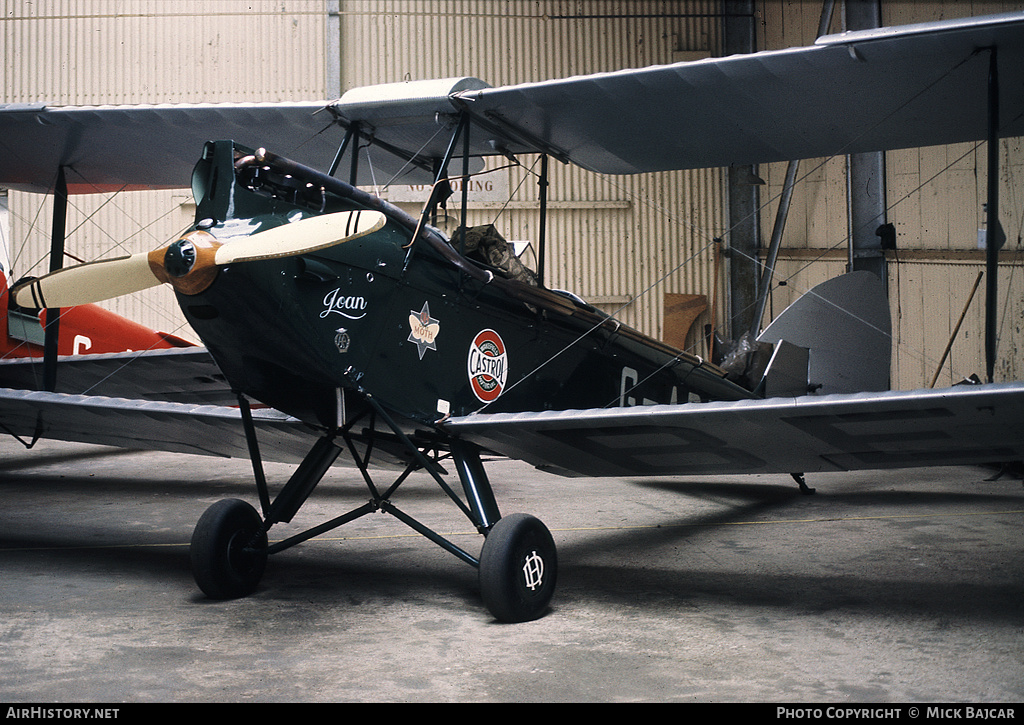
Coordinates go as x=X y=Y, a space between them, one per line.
x=517 y=565
x=802 y=483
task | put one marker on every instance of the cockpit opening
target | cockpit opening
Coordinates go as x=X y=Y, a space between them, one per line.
x=485 y=245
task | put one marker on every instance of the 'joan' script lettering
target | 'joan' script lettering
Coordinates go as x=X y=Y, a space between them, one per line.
x=351 y=306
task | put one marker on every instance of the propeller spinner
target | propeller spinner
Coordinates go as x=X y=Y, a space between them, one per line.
x=190 y=263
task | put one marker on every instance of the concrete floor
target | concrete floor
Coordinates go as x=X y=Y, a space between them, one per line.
x=903 y=587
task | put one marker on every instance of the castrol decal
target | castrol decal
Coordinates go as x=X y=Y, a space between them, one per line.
x=487 y=366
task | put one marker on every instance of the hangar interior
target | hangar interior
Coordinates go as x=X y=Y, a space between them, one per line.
x=673 y=254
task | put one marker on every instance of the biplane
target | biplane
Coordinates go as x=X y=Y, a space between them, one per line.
x=337 y=328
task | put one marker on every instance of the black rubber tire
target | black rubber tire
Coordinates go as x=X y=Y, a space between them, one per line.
x=518 y=569
x=228 y=550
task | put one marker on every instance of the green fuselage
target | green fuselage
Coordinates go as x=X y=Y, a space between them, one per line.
x=423 y=330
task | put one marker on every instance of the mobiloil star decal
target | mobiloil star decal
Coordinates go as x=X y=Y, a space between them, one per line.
x=424 y=329
x=487 y=366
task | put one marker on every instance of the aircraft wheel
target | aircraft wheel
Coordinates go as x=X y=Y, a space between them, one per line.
x=228 y=550
x=518 y=568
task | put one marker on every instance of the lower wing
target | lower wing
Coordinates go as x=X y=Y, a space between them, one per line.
x=968 y=424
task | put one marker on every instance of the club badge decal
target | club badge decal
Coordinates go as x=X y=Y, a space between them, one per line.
x=342 y=339
x=487 y=366
x=424 y=330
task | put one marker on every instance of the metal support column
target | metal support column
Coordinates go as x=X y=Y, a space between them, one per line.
x=743 y=196
x=865 y=176
x=994 y=236
x=332 y=50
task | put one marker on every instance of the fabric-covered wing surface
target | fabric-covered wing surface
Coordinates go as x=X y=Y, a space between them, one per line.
x=150 y=425
x=183 y=375
x=859 y=91
x=961 y=425
x=862 y=91
x=109 y=148
x=166 y=400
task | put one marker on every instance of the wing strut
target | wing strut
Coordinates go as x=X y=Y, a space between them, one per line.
x=994 y=236
x=764 y=287
x=58 y=232
x=542 y=228
x=765 y=283
x=341 y=150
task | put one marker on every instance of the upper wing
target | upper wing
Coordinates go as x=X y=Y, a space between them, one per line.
x=904 y=87
x=914 y=85
x=109 y=148
x=960 y=425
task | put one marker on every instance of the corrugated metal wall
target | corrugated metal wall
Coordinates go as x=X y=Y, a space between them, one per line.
x=622 y=243
x=94 y=52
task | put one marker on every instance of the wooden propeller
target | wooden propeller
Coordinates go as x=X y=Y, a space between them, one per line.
x=190 y=264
